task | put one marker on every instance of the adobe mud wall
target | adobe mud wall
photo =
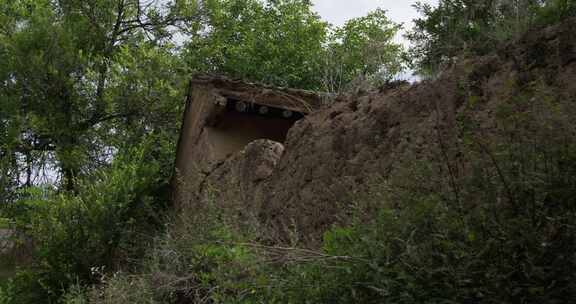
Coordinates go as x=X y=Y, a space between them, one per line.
x=222 y=117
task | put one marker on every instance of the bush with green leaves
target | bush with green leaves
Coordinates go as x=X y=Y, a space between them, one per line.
x=200 y=259
x=74 y=236
x=4 y=223
x=453 y=29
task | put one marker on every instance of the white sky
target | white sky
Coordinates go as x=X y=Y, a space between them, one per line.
x=338 y=11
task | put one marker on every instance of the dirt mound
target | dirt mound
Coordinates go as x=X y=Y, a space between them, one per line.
x=301 y=189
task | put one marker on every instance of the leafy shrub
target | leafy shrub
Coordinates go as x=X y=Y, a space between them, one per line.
x=454 y=29
x=200 y=259
x=554 y=11
x=4 y=223
x=5 y=293
x=105 y=223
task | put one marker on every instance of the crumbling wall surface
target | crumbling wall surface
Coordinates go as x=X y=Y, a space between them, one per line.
x=302 y=189
x=193 y=155
x=213 y=132
x=328 y=155
x=333 y=152
x=238 y=185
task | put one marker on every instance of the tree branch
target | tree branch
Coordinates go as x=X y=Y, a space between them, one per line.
x=100 y=119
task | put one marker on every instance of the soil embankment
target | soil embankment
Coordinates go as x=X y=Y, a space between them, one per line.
x=305 y=186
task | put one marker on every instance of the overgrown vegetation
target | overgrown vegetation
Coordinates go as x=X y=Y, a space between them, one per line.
x=496 y=225
x=454 y=29
x=90 y=96
x=285 y=43
x=82 y=83
x=4 y=223
x=72 y=237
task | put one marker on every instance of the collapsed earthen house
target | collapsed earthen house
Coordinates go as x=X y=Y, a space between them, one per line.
x=350 y=151
x=222 y=117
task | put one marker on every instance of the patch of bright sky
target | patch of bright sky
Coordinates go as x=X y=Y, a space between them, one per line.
x=337 y=12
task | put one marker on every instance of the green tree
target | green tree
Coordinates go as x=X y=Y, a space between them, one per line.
x=82 y=236
x=555 y=10
x=285 y=43
x=455 y=28
x=76 y=73
x=277 y=42
x=364 y=47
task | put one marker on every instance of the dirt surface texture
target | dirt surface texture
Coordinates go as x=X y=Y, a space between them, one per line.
x=301 y=187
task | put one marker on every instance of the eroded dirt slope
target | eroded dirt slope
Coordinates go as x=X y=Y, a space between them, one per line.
x=301 y=189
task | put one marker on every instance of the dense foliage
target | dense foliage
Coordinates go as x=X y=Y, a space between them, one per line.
x=84 y=83
x=287 y=44
x=457 y=28
x=362 y=50
x=497 y=226
x=78 y=79
x=91 y=95
x=72 y=238
x=280 y=42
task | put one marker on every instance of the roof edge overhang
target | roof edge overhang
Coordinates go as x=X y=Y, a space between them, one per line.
x=297 y=100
